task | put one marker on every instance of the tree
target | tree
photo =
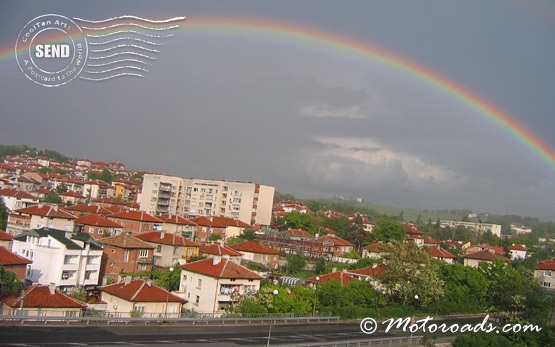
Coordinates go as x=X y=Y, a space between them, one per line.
x=61 y=188
x=3 y=215
x=320 y=266
x=386 y=231
x=52 y=197
x=296 y=263
x=9 y=284
x=248 y=234
x=170 y=279
x=357 y=234
x=298 y=220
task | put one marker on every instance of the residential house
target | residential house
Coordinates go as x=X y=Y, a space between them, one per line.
x=371 y=274
x=518 y=251
x=437 y=253
x=84 y=209
x=72 y=198
x=140 y=298
x=212 y=286
x=110 y=201
x=175 y=224
x=14 y=263
x=52 y=217
x=137 y=222
x=374 y=250
x=233 y=227
x=486 y=256
x=6 y=239
x=257 y=252
x=42 y=300
x=218 y=250
x=94 y=189
x=68 y=262
x=335 y=245
x=341 y=276
x=206 y=228
x=16 y=199
x=545 y=275
x=170 y=249
x=124 y=253
x=97 y=226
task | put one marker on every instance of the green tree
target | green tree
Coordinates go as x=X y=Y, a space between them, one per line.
x=296 y=263
x=248 y=234
x=320 y=266
x=298 y=220
x=61 y=188
x=465 y=288
x=52 y=197
x=169 y=279
x=9 y=284
x=357 y=234
x=3 y=215
x=386 y=230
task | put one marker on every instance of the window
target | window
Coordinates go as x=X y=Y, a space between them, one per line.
x=68 y=259
x=199 y=283
x=547 y=284
x=547 y=273
x=185 y=277
x=125 y=255
x=141 y=266
x=139 y=308
x=159 y=248
x=88 y=274
x=143 y=253
x=100 y=231
x=91 y=230
x=154 y=191
x=197 y=300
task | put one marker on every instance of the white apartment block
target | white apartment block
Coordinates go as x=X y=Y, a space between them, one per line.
x=248 y=202
x=476 y=226
x=68 y=263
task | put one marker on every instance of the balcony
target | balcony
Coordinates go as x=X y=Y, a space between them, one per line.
x=144 y=260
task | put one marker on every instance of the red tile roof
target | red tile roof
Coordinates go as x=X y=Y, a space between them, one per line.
x=72 y=194
x=141 y=291
x=99 y=183
x=298 y=232
x=518 y=248
x=175 y=219
x=342 y=277
x=39 y=296
x=372 y=271
x=9 y=258
x=546 y=265
x=136 y=215
x=217 y=249
x=485 y=255
x=225 y=268
x=16 y=194
x=166 y=239
x=230 y=222
x=205 y=222
x=336 y=240
x=376 y=247
x=125 y=240
x=97 y=220
x=111 y=201
x=411 y=229
x=4 y=236
x=498 y=249
x=439 y=253
x=46 y=211
x=90 y=209
x=254 y=247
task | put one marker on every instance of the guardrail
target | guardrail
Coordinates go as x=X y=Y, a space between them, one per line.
x=377 y=342
x=191 y=321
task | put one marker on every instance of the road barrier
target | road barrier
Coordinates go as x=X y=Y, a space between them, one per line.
x=377 y=342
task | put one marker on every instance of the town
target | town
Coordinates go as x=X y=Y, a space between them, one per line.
x=85 y=237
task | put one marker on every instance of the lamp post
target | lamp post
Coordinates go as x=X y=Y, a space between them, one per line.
x=275 y=293
x=315 y=296
x=168 y=293
x=416 y=297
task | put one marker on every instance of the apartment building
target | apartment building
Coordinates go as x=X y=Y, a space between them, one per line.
x=248 y=202
x=495 y=229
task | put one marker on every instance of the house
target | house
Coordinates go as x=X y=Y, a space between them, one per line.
x=83 y=209
x=485 y=256
x=68 y=262
x=212 y=286
x=137 y=222
x=370 y=274
x=110 y=201
x=6 y=240
x=545 y=275
x=97 y=226
x=52 y=217
x=169 y=248
x=233 y=227
x=218 y=250
x=42 y=300
x=94 y=189
x=206 y=228
x=257 y=252
x=15 y=199
x=518 y=251
x=335 y=245
x=374 y=250
x=440 y=254
x=413 y=235
x=124 y=253
x=341 y=276
x=14 y=263
x=175 y=224
x=140 y=298
x=71 y=198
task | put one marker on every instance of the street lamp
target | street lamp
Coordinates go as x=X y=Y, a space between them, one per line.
x=315 y=296
x=275 y=293
x=168 y=293
x=416 y=297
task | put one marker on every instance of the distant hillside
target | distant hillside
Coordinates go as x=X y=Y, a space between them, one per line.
x=7 y=150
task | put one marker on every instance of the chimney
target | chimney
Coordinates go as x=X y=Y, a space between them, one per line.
x=334 y=269
x=221 y=242
x=52 y=288
x=162 y=234
x=491 y=250
x=216 y=260
x=149 y=283
x=127 y=280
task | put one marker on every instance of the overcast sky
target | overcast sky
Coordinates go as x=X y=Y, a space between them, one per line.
x=307 y=118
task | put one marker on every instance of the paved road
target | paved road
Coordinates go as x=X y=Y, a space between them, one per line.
x=201 y=336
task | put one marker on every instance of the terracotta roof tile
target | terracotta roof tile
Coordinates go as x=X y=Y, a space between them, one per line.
x=225 y=268
x=298 y=232
x=141 y=291
x=254 y=247
x=373 y=271
x=125 y=240
x=39 y=296
x=230 y=222
x=10 y=258
x=205 y=222
x=485 y=255
x=518 y=248
x=97 y=220
x=136 y=215
x=72 y=194
x=546 y=265
x=111 y=201
x=166 y=239
x=46 y=211
x=175 y=219
x=337 y=241
x=90 y=209
x=217 y=249
x=439 y=253
x=4 y=236
x=343 y=277
x=16 y=194
x=376 y=247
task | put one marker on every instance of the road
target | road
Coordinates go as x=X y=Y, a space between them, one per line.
x=178 y=335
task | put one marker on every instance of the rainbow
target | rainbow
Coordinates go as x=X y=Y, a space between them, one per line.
x=343 y=46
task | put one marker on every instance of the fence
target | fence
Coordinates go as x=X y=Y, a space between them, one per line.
x=380 y=342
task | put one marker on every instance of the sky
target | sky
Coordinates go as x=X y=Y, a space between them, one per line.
x=240 y=92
